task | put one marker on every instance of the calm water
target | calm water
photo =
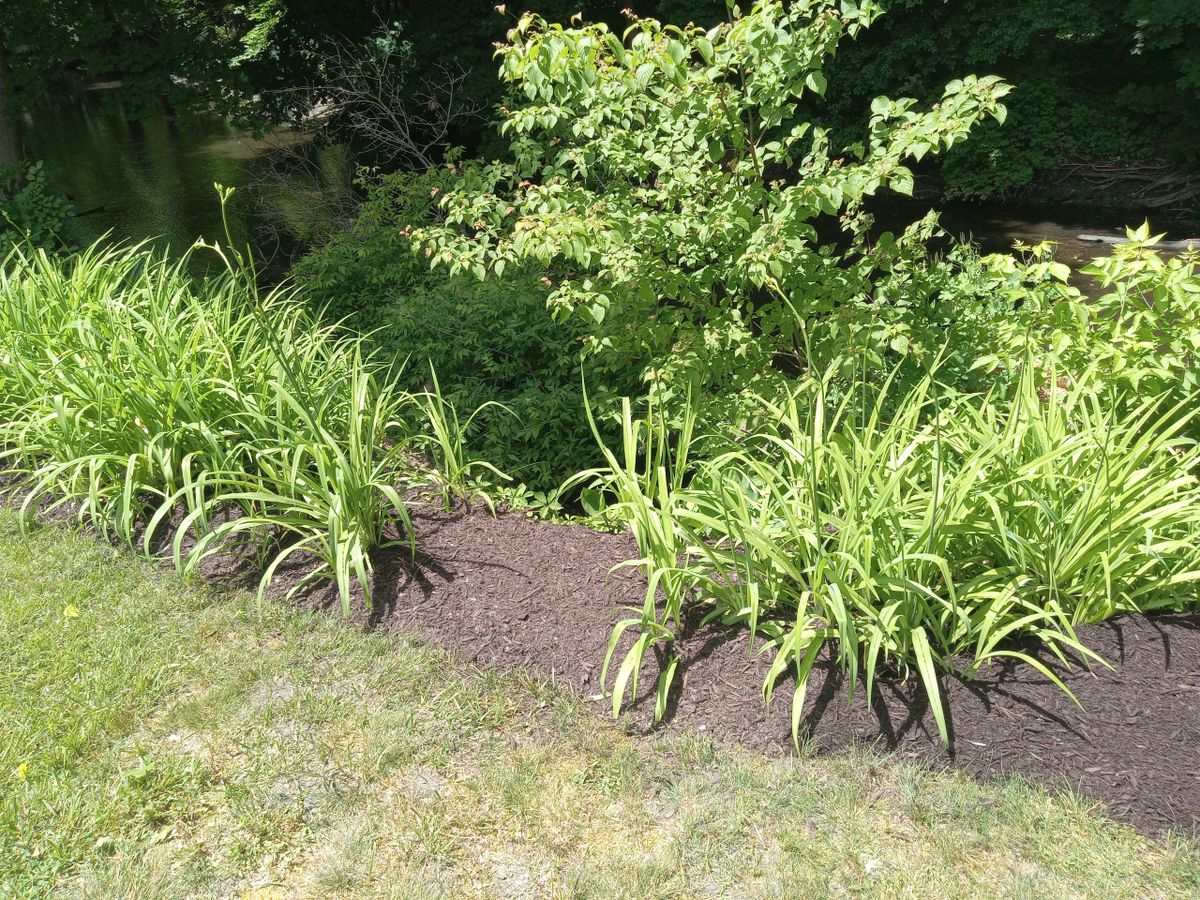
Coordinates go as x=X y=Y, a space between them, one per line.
x=146 y=178
x=153 y=178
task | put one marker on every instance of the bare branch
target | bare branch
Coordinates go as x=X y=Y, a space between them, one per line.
x=369 y=90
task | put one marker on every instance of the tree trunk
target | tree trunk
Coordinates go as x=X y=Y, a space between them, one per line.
x=10 y=126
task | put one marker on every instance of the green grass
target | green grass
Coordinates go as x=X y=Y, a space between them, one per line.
x=161 y=741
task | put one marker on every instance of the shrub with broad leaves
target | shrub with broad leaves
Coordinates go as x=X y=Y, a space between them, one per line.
x=683 y=204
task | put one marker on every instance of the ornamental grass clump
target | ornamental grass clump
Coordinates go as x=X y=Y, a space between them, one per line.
x=645 y=486
x=933 y=530
x=152 y=401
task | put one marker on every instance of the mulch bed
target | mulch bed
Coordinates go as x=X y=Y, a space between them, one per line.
x=509 y=592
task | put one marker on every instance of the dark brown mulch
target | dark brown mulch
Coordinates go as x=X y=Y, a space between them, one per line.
x=509 y=592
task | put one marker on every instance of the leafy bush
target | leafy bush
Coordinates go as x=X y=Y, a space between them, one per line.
x=917 y=530
x=1135 y=333
x=489 y=343
x=673 y=187
x=1140 y=335
x=1143 y=331
x=147 y=398
x=30 y=211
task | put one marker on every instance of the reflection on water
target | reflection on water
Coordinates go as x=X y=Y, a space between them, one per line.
x=144 y=178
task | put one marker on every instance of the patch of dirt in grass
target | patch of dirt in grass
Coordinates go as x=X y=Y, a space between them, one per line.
x=508 y=592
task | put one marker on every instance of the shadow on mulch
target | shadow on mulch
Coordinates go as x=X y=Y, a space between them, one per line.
x=508 y=592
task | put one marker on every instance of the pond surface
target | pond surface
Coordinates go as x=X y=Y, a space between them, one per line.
x=153 y=178
x=146 y=178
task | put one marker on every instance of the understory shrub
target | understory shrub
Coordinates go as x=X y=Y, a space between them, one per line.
x=490 y=343
x=933 y=529
x=155 y=402
x=1140 y=335
x=30 y=210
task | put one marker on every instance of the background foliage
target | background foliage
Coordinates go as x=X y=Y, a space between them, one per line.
x=1097 y=80
x=490 y=341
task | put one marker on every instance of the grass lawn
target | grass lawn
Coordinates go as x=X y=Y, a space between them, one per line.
x=160 y=741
